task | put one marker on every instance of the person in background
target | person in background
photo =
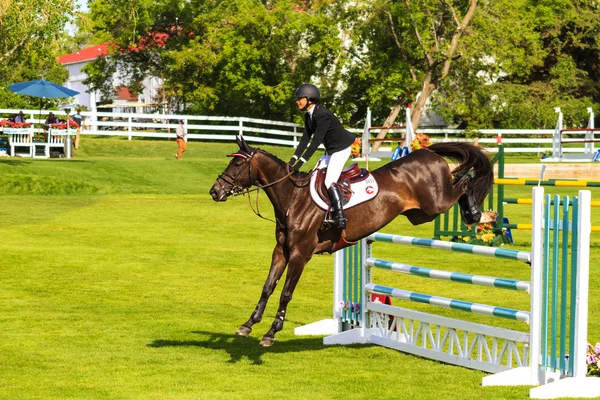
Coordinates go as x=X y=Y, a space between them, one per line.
x=51 y=119
x=20 y=117
x=181 y=145
x=78 y=118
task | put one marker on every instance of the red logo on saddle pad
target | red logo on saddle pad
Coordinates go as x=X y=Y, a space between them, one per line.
x=369 y=189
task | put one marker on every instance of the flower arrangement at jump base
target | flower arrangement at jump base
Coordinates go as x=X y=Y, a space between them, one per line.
x=421 y=140
x=355 y=147
x=485 y=233
x=18 y=125
x=593 y=359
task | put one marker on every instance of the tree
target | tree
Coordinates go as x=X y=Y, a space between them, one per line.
x=548 y=58
x=424 y=38
x=242 y=57
x=29 y=44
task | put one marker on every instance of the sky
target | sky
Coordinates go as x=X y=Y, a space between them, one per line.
x=82 y=4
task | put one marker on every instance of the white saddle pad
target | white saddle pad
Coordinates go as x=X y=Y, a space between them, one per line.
x=361 y=191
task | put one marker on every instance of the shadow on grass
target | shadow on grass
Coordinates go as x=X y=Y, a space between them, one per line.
x=240 y=347
x=16 y=162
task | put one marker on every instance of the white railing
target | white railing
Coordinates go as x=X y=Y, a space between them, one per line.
x=164 y=125
x=275 y=132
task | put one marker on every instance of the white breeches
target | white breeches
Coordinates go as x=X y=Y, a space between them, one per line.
x=335 y=165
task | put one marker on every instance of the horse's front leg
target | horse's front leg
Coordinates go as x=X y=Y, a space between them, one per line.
x=296 y=265
x=278 y=263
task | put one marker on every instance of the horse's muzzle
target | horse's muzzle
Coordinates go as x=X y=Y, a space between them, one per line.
x=218 y=195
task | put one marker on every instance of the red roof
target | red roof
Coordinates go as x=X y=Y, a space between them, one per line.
x=123 y=93
x=87 y=54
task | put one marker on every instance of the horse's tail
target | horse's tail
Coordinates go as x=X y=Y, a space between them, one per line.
x=471 y=160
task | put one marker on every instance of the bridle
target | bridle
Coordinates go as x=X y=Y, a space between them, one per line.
x=236 y=189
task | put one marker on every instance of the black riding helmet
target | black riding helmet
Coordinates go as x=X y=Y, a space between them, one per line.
x=311 y=92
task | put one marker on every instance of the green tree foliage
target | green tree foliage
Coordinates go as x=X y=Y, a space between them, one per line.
x=527 y=57
x=501 y=63
x=409 y=47
x=233 y=57
x=30 y=33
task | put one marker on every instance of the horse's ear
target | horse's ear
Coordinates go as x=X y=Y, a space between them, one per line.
x=239 y=142
x=243 y=145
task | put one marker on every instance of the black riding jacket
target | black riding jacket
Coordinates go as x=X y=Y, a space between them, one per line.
x=323 y=127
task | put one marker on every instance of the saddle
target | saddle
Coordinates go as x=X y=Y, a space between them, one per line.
x=350 y=175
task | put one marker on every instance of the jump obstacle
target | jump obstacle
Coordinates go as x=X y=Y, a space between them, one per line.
x=537 y=357
x=559 y=152
x=450 y=224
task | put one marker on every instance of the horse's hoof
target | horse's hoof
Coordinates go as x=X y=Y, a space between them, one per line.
x=243 y=331
x=267 y=341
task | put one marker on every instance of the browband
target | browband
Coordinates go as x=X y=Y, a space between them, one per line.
x=244 y=156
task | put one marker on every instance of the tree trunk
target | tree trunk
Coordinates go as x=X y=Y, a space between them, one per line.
x=419 y=106
x=388 y=122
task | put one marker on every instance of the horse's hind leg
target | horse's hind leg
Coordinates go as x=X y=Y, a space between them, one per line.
x=278 y=264
x=434 y=203
x=295 y=269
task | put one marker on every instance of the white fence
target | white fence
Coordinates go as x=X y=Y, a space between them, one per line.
x=163 y=126
x=274 y=132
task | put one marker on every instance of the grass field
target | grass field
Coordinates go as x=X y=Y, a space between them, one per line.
x=122 y=279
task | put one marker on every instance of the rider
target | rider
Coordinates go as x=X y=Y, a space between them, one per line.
x=321 y=126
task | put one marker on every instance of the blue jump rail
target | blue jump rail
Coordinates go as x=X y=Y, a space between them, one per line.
x=480 y=280
x=467 y=306
x=495 y=252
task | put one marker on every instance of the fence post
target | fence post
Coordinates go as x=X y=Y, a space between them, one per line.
x=589 y=135
x=409 y=130
x=583 y=267
x=500 y=190
x=366 y=134
x=241 y=128
x=535 y=322
x=557 y=137
x=129 y=121
x=295 y=138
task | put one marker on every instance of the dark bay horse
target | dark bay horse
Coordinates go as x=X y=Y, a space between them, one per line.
x=419 y=186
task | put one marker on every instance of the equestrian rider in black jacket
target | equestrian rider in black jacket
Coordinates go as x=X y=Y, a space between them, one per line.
x=321 y=126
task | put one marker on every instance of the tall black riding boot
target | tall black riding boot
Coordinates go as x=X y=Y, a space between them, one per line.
x=338 y=220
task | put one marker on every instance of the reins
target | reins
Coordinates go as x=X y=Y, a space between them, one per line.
x=258 y=187
x=243 y=191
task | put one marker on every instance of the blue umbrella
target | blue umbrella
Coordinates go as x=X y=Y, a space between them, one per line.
x=42 y=88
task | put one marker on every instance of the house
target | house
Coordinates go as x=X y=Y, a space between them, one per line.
x=75 y=62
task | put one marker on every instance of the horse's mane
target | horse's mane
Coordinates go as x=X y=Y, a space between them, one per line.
x=279 y=161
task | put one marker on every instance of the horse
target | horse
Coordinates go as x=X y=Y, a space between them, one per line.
x=419 y=186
